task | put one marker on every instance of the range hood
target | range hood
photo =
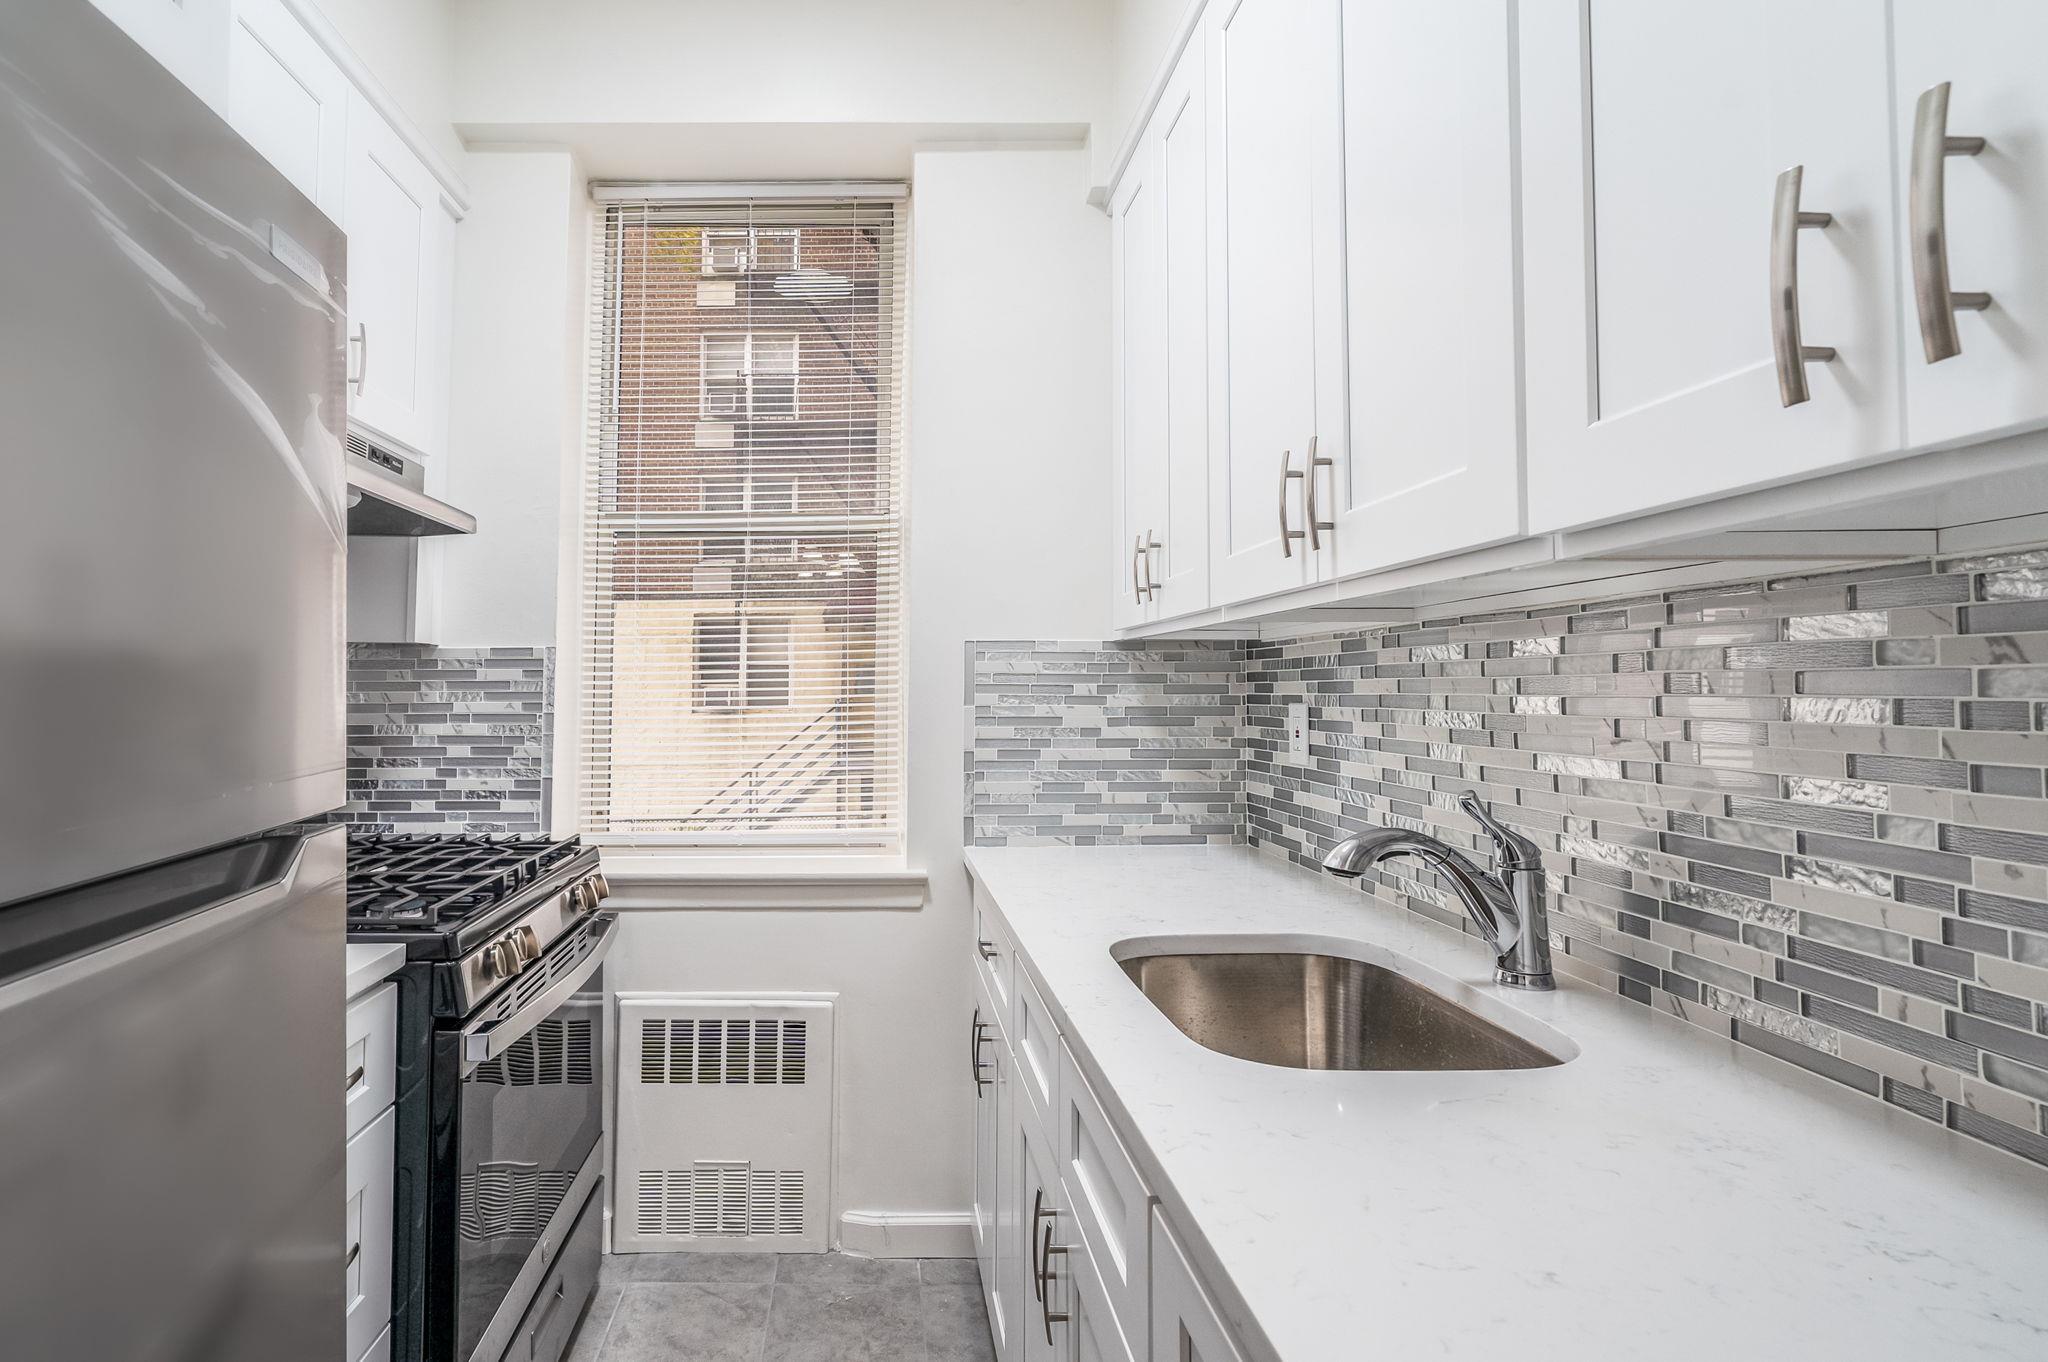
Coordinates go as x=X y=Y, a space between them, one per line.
x=386 y=496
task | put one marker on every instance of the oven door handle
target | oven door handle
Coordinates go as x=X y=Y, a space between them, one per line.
x=488 y=1040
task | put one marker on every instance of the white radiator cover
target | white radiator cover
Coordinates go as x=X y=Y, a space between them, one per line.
x=724 y=1133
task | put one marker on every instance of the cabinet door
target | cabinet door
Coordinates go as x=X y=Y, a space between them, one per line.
x=1002 y=1269
x=1435 y=443
x=984 y=1042
x=1185 y=1327
x=1140 y=349
x=393 y=244
x=1276 y=285
x=1653 y=135
x=189 y=37
x=1038 y=1192
x=1994 y=218
x=1179 y=152
x=289 y=100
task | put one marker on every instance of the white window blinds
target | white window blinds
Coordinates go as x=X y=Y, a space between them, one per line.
x=743 y=525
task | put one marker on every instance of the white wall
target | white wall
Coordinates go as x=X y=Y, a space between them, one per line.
x=1008 y=499
x=410 y=46
x=515 y=436
x=779 y=61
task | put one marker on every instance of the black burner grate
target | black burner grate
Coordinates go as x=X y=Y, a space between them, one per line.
x=428 y=881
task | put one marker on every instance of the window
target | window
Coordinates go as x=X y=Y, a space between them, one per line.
x=743 y=662
x=738 y=250
x=749 y=376
x=742 y=677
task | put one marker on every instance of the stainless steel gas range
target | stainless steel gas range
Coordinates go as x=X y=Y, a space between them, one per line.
x=497 y=1215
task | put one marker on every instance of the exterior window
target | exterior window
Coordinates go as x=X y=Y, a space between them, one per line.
x=740 y=250
x=741 y=638
x=749 y=377
x=742 y=662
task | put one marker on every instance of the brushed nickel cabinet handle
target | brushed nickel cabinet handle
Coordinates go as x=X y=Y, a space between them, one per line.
x=355 y=1076
x=1927 y=226
x=1792 y=353
x=975 y=1041
x=1287 y=474
x=362 y=344
x=986 y=949
x=1146 y=548
x=1315 y=526
x=1047 y=1248
x=355 y=1251
x=1137 y=586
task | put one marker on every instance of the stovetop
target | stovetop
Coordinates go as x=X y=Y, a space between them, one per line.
x=435 y=885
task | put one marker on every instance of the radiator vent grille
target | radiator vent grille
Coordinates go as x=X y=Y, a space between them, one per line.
x=723 y=1050
x=723 y=1135
x=719 y=1198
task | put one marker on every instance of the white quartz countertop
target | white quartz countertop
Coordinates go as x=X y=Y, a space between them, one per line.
x=1665 y=1194
x=370 y=965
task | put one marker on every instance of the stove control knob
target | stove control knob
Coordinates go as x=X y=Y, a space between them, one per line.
x=526 y=944
x=601 y=888
x=579 y=898
x=499 y=961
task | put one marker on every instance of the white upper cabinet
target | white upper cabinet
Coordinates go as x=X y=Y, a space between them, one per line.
x=1276 y=291
x=1160 y=563
x=1139 y=322
x=1666 y=275
x=1983 y=216
x=1434 y=460
x=189 y=37
x=289 y=100
x=400 y=284
x=1180 y=168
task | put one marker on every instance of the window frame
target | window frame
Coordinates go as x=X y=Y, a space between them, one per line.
x=873 y=527
x=744 y=376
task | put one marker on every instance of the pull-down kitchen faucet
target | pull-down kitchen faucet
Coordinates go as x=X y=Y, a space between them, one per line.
x=1506 y=907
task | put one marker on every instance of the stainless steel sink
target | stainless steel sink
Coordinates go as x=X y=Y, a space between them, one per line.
x=1309 y=1011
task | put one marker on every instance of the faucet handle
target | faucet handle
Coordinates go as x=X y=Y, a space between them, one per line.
x=1512 y=851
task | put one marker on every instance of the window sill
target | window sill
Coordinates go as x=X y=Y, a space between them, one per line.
x=659 y=879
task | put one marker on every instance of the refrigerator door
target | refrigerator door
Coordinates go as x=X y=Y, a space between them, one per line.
x=172 y=524
x=170 y=1111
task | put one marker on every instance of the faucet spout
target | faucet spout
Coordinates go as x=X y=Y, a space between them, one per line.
x=1507 y=907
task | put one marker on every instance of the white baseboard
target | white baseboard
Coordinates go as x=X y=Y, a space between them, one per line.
x=907 y=1234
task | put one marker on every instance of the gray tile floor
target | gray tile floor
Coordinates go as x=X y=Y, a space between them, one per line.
x=796 y=1307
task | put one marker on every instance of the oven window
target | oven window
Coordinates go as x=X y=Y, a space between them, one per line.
x=530 y=1118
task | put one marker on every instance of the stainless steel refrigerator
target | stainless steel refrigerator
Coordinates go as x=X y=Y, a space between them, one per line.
x=171 y=567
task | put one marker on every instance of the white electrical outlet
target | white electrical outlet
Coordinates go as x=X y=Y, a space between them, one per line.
x=1297 y=734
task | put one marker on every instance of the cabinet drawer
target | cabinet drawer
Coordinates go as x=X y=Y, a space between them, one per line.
x=367 y=1233
x=1185 y=1324
x=1097 y=1334
x=994 y=958
x=1035 y=1041
x=543 y=1336
x=1106 y=1198
x=370 y=1055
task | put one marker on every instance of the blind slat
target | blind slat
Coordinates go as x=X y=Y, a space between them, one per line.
x=742 y=524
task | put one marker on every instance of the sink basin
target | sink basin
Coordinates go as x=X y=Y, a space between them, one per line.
x=1310 y=1011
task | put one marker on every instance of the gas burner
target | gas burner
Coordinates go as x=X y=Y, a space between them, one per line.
x=422 y=881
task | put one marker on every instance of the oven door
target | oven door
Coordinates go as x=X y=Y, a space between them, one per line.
x=530 y=1112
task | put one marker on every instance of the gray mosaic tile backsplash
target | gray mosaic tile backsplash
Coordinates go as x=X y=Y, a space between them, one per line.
x=1806 y=813
x=1085 y=744
x=448 y=740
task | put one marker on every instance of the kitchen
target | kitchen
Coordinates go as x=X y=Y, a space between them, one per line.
x=1111 y=679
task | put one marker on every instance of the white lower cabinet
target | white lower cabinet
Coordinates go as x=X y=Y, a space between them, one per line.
x=367 y=1232
x=1075 y=1259
x=1185 y=1326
